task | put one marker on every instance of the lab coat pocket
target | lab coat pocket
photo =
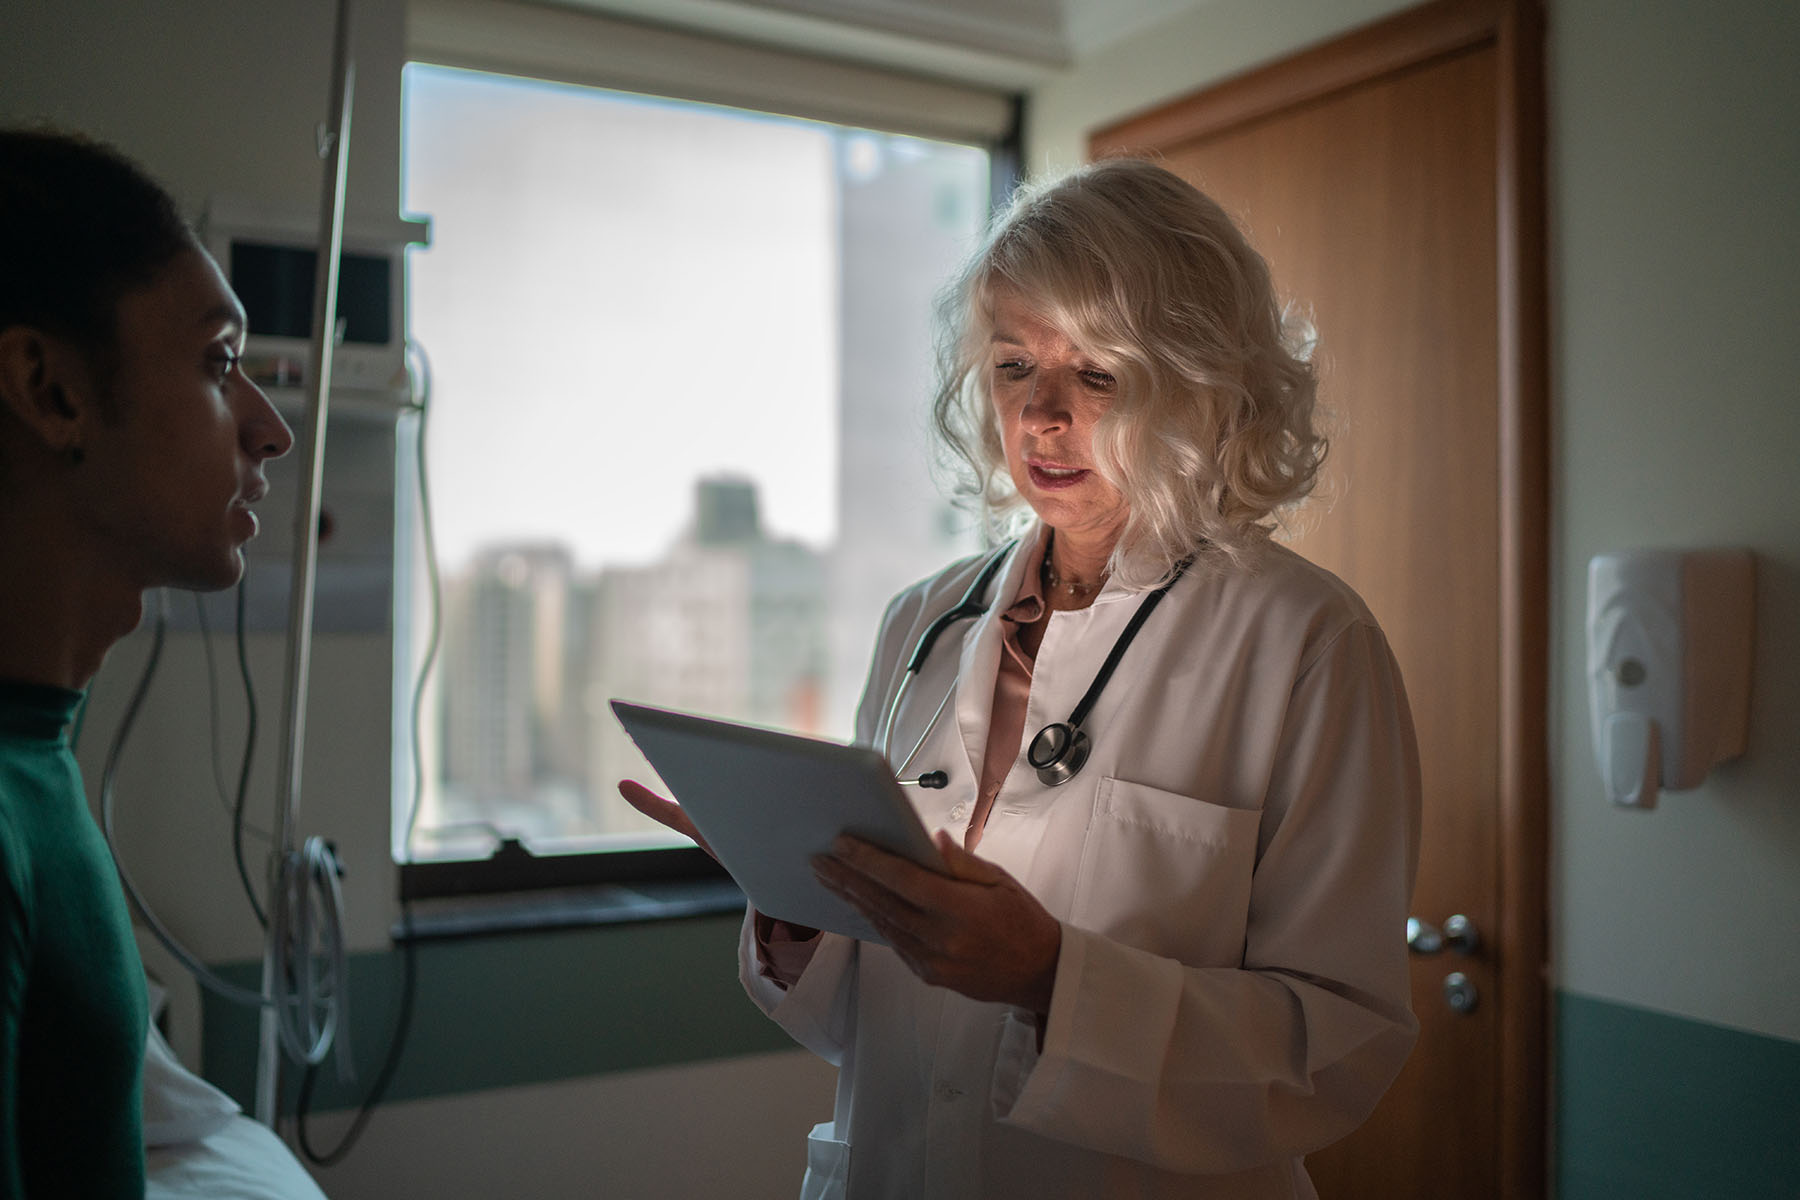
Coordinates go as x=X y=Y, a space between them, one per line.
x=827 y=1164
x=1167 y=873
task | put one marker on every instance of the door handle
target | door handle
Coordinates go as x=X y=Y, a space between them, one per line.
x=1458 y=934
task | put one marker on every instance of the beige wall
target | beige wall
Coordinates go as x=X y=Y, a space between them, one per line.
x=1674 y=184
x=1676 y=180
x=215 y=96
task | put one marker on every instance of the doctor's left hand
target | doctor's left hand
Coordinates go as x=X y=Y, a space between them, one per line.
x=976 y=930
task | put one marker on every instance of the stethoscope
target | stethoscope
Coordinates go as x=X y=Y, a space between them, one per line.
x=1060 y=749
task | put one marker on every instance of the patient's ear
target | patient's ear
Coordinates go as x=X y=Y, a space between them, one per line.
x=44 y=385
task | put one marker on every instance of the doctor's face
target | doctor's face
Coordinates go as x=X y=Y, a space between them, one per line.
x=1048 y=394
x=174 y=457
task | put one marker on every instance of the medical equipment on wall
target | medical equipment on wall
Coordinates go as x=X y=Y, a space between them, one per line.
x=1669 y=645
x=1059 y=750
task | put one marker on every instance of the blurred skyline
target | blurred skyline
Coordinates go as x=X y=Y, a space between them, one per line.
x=682 y=365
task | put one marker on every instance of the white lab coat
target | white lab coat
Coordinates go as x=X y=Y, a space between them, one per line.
x=1232 y=871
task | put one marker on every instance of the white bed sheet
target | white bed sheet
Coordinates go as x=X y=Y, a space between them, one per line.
x=241 y=1161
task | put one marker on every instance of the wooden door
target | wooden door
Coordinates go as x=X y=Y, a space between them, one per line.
x=1377 y=207
x=1375 y=175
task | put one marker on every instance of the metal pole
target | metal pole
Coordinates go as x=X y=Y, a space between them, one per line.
x=333 y=147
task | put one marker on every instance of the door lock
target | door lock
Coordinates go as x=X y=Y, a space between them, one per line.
x=1459 y=993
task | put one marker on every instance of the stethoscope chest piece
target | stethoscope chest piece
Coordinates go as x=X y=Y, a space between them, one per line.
x=1057 y=753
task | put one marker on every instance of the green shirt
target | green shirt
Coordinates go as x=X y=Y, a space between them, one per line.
x=72 y=1005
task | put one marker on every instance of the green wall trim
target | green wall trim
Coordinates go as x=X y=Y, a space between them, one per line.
x=1656 y=1107
x=522 y=1009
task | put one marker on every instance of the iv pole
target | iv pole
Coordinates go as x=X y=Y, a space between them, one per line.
x=285 y=858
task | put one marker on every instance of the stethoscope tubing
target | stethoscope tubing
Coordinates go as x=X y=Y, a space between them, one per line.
x=1062 y=747
x=966 y=608
x=1145 y=608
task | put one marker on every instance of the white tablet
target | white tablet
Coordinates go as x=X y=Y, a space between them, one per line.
x=768 y=802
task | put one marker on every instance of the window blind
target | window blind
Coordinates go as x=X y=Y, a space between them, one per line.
x=594 y=50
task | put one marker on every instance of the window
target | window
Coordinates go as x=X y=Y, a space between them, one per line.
x=681 y=364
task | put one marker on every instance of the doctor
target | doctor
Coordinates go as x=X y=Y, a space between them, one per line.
x=1179 y=785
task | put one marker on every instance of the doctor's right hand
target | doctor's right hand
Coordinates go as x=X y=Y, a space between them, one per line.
x=663 y=811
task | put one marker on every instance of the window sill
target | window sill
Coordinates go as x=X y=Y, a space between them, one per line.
x=514 y=868
x=569 y=908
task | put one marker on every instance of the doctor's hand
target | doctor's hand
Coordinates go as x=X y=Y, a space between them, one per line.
x=976 y=931
x=663 y=812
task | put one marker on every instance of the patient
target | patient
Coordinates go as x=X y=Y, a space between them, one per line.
x=131 y=449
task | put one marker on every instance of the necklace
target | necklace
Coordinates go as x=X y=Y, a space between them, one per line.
x=1053 y=581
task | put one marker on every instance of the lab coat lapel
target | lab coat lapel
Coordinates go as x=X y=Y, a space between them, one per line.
x=980 y=662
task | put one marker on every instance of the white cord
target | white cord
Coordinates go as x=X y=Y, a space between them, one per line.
x=434 y=586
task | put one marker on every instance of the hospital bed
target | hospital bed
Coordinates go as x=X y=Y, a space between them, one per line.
x=197 y=1143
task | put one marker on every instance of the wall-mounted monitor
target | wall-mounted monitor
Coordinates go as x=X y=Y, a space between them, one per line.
x=271 y=263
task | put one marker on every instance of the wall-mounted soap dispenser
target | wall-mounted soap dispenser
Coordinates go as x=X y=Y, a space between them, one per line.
x=1669 y=637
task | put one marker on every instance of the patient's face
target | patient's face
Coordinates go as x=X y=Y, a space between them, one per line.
x=175 y=467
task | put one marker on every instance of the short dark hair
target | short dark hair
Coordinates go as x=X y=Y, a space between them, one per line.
x=80 y=225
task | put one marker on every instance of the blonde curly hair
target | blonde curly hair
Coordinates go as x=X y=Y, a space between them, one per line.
x=1211 y=437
